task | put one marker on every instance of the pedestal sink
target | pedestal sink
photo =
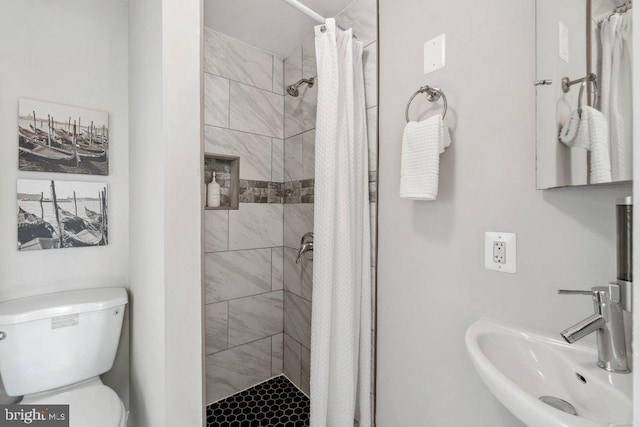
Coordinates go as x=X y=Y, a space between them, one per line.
x=521 y=366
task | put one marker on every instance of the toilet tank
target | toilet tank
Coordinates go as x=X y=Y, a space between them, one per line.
x=50 y=341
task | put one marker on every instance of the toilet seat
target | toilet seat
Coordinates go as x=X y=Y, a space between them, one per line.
x=91 y=403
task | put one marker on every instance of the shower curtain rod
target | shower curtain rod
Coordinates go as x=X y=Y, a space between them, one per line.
x=311 y=13
x=306 y=10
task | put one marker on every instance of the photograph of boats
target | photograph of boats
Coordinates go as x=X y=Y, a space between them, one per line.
x=61 y=214
x=60 y=138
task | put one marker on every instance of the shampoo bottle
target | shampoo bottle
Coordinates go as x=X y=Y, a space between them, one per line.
x=213 y=193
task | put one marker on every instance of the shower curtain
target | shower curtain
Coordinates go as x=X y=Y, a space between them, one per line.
x=616 y=101
x=341 y=318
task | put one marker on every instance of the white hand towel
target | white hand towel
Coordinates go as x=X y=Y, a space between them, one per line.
x=422 y=144
x=591 y=132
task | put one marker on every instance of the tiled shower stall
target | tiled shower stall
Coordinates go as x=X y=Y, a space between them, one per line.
x=259 y=301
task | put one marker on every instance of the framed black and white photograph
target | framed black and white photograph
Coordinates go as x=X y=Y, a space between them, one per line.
x=60 y=138
x=61 y=214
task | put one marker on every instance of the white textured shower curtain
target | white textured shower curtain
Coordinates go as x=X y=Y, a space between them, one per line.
x=341 y=319
x=616 y=102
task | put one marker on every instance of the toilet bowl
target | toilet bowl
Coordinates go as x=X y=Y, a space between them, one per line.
x=91 y=403
x=53 y=349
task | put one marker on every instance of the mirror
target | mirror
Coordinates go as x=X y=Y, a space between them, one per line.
x=584 y=93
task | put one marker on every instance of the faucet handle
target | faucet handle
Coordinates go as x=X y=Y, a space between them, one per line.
x=574 y=292
x=306 y=245
x=614 y=293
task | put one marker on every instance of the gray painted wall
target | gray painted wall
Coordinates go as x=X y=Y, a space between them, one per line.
x=432 y=281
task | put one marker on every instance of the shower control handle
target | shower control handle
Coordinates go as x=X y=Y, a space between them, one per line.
x=306 y=246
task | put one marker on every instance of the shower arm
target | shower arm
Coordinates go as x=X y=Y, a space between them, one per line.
x=310 y=81
x=293 y=89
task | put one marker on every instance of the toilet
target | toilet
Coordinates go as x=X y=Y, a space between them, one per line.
x=53 y=349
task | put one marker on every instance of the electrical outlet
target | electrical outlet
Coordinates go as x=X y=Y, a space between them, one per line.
x=500 y=252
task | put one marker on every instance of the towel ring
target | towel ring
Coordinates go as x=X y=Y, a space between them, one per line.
x=582 y=86
x=433 y=95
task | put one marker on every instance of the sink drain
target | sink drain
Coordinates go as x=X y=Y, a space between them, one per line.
x=558 y=403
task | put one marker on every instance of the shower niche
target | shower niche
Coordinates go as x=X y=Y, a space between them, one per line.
x=227 y=176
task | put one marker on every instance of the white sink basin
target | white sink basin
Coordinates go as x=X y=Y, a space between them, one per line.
x=519 y=366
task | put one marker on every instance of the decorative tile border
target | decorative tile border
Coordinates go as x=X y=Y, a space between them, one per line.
x=299 y=191
x=252 y=191
x=292 y=192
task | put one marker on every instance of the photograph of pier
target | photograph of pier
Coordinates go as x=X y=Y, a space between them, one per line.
x=60 y=138
x=61 y=214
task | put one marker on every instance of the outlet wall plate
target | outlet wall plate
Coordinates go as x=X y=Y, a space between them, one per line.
x=435 y=54
x=563 y=42
x=500 y=252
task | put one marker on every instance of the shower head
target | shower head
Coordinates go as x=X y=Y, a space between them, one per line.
x=293 y=89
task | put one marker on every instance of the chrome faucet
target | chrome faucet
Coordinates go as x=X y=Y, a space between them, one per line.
x=607 y=322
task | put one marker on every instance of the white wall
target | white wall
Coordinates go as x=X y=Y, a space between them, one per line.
x=146 y=274
x=44 y=61
x=44 y=45
x=166 y=249
x=432 y=282
x=183 y=180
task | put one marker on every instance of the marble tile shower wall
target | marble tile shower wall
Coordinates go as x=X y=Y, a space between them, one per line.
x=244 y=117
x=299 y=162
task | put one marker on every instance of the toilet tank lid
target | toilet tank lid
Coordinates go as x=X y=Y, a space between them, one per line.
x=45 y=306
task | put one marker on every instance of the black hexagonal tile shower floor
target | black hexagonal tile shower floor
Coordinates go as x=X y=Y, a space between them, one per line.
x=273 y=403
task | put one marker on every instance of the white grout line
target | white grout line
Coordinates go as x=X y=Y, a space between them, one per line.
x=248 y=296
x=244 y=83
x=246 y=343
x=294 y=384
x=244 y=131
